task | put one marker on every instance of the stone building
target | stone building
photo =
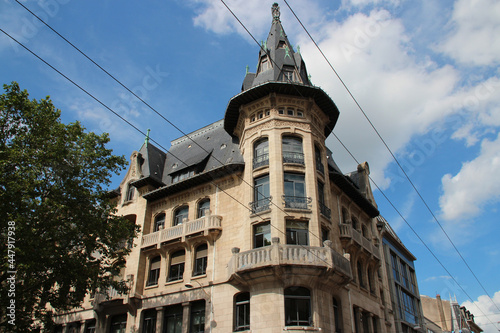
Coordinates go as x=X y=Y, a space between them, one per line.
x=448 y=316
x=248 y=224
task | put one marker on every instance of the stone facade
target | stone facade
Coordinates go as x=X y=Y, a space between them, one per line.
x=248 y=224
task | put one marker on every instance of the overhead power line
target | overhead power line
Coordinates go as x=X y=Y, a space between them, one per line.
x=392 y=154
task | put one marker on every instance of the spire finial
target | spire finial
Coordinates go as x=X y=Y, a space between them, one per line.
x=276 y=12
x=146 y=141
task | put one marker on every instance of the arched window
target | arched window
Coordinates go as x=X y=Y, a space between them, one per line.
x=261 y=194
x=292 y=150
x=159 y=222
x=181 y=213
x=200 y=261
x=130 y=193
x=261 y=153
x=355 y=224
x=154 y=271
x=176 y=270
x=203 y=208
x=345 y=216
x=359 y=268
x=149 y=321
x=297 y=306
x=242 y=312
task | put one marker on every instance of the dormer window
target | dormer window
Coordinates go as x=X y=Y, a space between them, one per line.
x=264 y=64
x=288 y=74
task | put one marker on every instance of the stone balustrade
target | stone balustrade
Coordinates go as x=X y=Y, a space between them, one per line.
x=347 y=232
x=181 y=231
x=282 y=254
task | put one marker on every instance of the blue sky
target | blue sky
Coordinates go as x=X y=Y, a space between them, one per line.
x=425 y=72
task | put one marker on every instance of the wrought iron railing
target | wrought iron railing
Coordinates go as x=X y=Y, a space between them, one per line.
x=260 y=205
x=325 y=211
x=261 y=160
x=293 y=157
x=297 y=202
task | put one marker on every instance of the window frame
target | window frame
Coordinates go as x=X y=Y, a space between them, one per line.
x=154 y=273
x=176 y=271
x=149 y=321
x=179 y=217
x=293 y=300
x=159 y=224
x=241 y=305
x=261 y=153
x=266 y=235
x=200 y=260
x=298 y=234
x=202 y=208
x=197 y=311
x=292 y=149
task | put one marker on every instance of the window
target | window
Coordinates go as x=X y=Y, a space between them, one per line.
x=197 y=324
x=181 y=175
x=325 y=234
x=281 y=111
x=173 y=319
x=90 y=326
x=262 y=234
x=118 y=323
x=297 y=233
x=319 y=161
x=264 y=64
x=370 y=280
x=149 y=321
x=159 y=222
x=130 y=193
x=395 y=266
x=261 y=194
x=321 y=199
x=295 y=191
x=292 y=150
x=154 y=271
x=337 y=316
x=290 y=112
x=176 y=271
x=288 y=74
x=203 y=208
x=345 y=216
x=200 y=261
x=242 y=312
x=261 y=153
x=364 y=231
x=300 y=114
x=408 y=308
x=360 y=274
x=181 y=213
x=355 y=224
x=297 y=306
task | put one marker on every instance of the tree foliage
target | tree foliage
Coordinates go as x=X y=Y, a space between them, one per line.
x=53 y=196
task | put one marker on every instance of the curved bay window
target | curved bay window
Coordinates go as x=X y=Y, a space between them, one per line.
x=203 y=208
x=292 y=150
x=159 y=222
x=154 y=271
x=242 y=312
x=176 y=270
x=261 y=153
x=181 y=213
x=200 y=261
x=297 y=306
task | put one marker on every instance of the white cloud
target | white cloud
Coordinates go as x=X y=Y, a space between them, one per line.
x=466 y=193
x=363 y=3
x=475 y=39
x=402 y=95
x=485 y=312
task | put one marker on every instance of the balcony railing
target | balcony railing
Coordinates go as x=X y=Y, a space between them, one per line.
x=347 y=232
x=293 y=157
x=297 y=202
x=260 y=161
x=280 y=254
x=327 y=212
x=183 y=230
x=260 y=205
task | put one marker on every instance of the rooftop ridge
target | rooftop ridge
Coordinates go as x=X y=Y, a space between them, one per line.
x=198 y=132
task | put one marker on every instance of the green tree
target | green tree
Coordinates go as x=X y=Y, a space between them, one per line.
x=56 y=218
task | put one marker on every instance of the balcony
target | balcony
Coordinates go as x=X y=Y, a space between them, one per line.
x=325 y=211
x=293 y=157
x=297 y=202
x=203 y=225
x=284 y=261
x=260 y=205
x=348 y=234
x=260 y=161
x=112 y=298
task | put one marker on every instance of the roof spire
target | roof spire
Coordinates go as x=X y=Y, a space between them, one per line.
x=146 y=141
x=276 y=12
